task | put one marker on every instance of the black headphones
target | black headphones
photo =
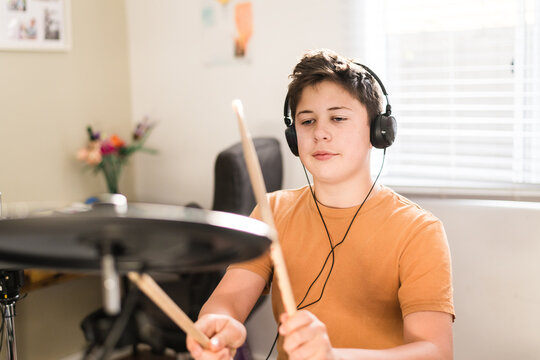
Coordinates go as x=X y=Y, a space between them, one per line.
x=383 y=127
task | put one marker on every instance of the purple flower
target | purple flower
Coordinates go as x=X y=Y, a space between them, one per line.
x=93 y=135
x=142 y=128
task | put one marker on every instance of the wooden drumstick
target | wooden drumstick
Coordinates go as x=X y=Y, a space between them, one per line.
x=259 y=189
x=168 y=306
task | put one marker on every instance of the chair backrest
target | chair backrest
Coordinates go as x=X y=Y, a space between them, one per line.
x=232 y=187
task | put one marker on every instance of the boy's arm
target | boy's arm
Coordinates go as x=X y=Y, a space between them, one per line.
x=235 y=295
x=427 y=335
x=221 y=317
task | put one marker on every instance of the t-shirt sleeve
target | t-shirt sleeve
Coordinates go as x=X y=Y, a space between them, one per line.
x=425 y=271
x=261 y=265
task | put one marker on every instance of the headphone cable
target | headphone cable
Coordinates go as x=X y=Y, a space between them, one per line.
x=328 y=233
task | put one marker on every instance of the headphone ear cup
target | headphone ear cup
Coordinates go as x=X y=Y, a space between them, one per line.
x=383 y=131
x=290 y=135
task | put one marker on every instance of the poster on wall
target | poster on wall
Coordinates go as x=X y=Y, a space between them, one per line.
x=227 y=29
x=34 y=25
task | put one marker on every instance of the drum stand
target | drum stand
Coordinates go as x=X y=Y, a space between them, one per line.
x=11 y=282
x=98 y=351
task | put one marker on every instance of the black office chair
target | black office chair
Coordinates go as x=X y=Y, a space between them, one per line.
x=232 y=193
x=232 y=187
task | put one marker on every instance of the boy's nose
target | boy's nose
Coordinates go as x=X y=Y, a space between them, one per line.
x=321 y=132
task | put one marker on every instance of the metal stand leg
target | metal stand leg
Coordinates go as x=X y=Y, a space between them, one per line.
x=11 y=282
x=103 y=352
x=9 y=321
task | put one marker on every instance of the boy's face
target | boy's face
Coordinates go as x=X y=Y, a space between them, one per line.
x=333 y=134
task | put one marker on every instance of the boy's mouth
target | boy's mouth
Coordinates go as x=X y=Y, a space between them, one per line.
x=323 y=155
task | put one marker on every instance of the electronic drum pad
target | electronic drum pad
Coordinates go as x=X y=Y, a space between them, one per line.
x=141 y=237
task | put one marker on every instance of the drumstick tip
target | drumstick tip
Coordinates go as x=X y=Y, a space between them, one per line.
x=238 y=107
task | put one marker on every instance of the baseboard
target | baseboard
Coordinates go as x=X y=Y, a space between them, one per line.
x=77 y=356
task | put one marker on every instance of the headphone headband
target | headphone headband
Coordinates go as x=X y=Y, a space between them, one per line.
x=388 y=111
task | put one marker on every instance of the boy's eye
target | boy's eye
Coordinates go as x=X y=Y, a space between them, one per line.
x=339 y=118
x=306 y=122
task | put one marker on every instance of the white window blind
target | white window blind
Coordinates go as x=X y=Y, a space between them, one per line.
x=464 y=84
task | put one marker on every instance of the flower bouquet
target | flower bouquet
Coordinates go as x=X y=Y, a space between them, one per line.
x=109 y=154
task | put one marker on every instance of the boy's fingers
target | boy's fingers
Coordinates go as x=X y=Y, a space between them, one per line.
x=224 y=332
x=230 y=336
x=207 y=325
x=291 y=323
x=193 y=347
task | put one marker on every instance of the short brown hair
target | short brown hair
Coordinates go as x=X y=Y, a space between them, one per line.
x=320 y=65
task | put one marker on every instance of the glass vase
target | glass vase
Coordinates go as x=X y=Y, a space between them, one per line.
x=112 y=167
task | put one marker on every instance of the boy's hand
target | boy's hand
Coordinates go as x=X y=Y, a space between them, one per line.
x=226 y=335
x=305 y=337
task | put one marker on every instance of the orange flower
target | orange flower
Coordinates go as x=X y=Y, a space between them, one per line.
x=116 y=141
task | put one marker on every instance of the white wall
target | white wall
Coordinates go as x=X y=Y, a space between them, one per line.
x=48 y=98
x=193 y=101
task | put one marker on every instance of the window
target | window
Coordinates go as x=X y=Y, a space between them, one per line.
x=464 y=84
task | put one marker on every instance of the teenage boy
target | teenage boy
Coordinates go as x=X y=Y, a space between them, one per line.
x=370 y=270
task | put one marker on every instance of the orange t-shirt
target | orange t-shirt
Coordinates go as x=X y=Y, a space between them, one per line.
x=394 y=261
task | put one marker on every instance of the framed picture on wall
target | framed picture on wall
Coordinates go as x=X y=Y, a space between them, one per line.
x=35 y=25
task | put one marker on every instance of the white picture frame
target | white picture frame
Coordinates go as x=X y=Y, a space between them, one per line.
x=35 y=25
